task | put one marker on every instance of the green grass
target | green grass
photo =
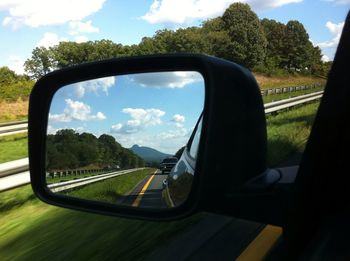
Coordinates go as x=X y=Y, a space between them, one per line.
x=288 y=133
x=281 y=96
x=32 y=230
x=8 y=118
x=111 y=189
x=13 y=147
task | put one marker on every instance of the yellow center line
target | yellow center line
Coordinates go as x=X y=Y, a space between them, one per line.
x=137 y=201
x=261 y=245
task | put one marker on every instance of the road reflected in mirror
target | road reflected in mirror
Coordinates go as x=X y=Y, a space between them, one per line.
x=128 y=140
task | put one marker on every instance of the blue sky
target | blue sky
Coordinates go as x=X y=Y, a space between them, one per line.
x=157 y=110
x=26 y=24
x=134 y=109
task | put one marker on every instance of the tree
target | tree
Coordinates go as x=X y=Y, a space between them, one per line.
x=248 y=42
x=110 y=150
x=40 y=63
x=188 y=40
x=298 y=47
x=275 y=33
x=7 y=76
x=217 y=38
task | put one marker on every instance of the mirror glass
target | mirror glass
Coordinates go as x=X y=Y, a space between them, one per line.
x=128 y=140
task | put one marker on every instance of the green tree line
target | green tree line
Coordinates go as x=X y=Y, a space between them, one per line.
x=68 y=149
x=238 y=35
x=14 y=86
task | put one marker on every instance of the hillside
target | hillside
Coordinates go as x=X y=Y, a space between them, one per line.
x=149 y=154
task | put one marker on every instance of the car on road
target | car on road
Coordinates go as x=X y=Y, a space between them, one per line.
x=167 y=164
x=177 y=185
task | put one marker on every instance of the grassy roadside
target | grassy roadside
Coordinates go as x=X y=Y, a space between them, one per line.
x=111 y=189
x=286 y=81
x=288 y=132
x=13 y=147
x=13 y=111
x=32 y=230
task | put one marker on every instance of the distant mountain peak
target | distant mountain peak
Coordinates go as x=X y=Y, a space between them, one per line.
x=149 y=154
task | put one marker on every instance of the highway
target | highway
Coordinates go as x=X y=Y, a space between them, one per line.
x=147 y=193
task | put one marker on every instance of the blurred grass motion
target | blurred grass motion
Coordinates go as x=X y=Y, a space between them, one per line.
x=13 y=147
x=288 y=132
x=32 y=230
x=112 y=189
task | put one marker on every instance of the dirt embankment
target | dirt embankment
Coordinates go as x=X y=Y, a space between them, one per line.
x=286 y=81
x=12 y=111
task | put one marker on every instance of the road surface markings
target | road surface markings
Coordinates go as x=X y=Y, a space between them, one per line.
x=137 y=201
x=262 y=244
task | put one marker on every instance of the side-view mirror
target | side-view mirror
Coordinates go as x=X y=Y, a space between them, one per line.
x=155 y=137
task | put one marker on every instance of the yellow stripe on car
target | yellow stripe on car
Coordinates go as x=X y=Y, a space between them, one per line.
x=261 y=245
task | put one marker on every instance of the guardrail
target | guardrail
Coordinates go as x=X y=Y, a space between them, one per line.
x=9 y=128
x=291 y=102
x=13 y=128
x=3 y=124
x=280 y=90
x=269 y=108
x=61 y=186
x=13 y=167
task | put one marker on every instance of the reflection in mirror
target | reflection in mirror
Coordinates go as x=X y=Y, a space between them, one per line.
x=128 y=140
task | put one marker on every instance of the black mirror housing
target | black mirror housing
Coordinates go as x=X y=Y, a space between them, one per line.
x=232 y=147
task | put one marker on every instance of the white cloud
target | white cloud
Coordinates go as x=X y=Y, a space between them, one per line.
x=81 y=39
x=173 y=134
x=16 y=64
x=37 y=13
x=340 y=2
x=78 y=27
x=185 y=11
x=76 y=111
x=50 y=39
x=140 y=119
x=52 y=130
x=176 y=79
x=178 y=120
x=325 y=58
x=335 y=29
x=95 y=86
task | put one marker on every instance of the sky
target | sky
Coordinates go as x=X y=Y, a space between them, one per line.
x=26 y=24
x=128 y=109
x=157 y=110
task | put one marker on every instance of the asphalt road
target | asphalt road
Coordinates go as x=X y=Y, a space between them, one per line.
x=147 y=193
